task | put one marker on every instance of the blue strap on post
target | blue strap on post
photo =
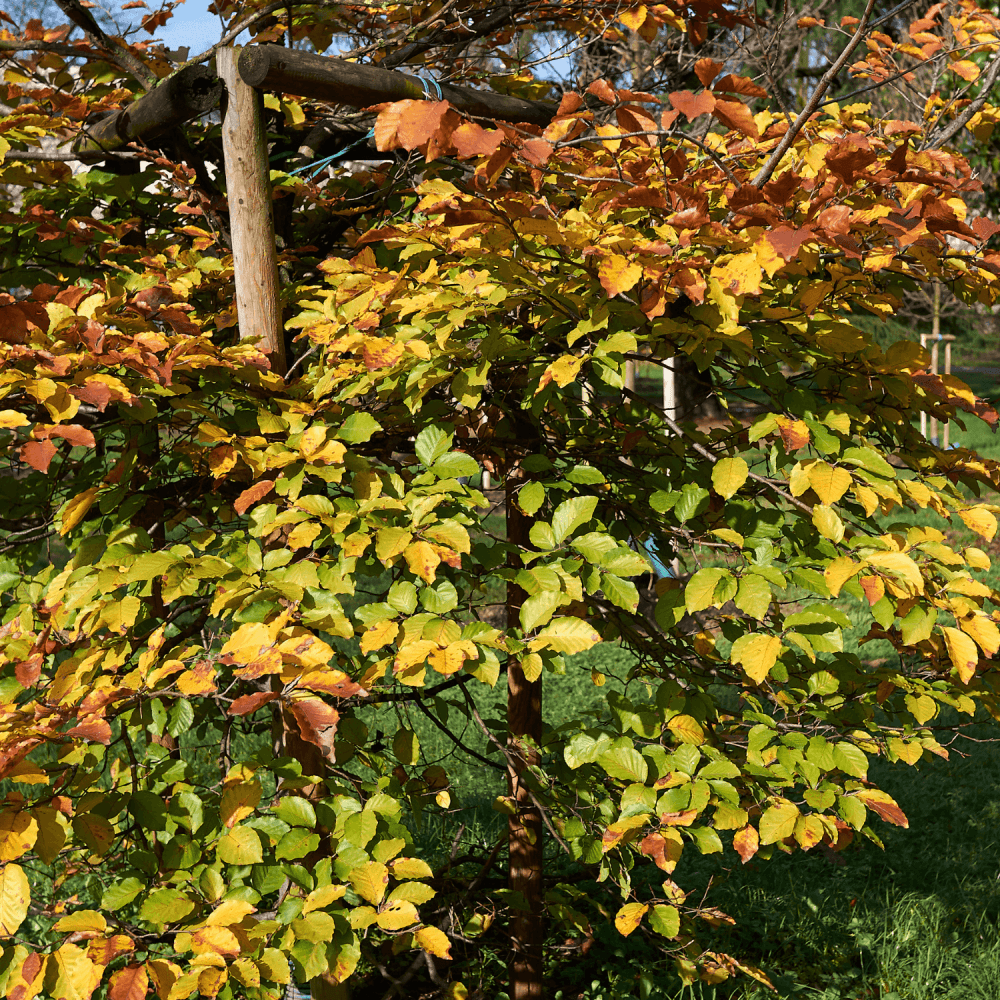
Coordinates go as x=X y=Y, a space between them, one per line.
x=428 y=82
x=317 y=167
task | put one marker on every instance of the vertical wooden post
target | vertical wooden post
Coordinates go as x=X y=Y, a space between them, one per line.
x=524 y=718
x=936 y=337
x=251 y=213
x=947 y=371
x=923 y=415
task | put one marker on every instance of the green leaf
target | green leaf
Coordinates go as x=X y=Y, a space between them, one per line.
x=121 y=893
x=625 y=562
x=584 y=749
x=570 y=514
x=625 y=763
x=530 y=497
x=778 y=822
x=754 y=596
x=539 y=609
x=241 y=846
x=358 y=428
x=542 y=536
x=406 y=747
x=622 y=593
x=166 y=906
x=728 y=475
x=692 y=502
x=703 y=590
x=295 y=811
x=665 y=920
x=295 y=844
x=850 y=759
x=594 y=546
x=455 y=464
x=432 y=442
x=707 y=839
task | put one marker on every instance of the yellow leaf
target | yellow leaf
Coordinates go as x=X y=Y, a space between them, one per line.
x=867 y=497
x=901 y=567
x=778 y=822
x=82 y=920
x=77 y=975
x=18 y=833
x=370 y=881
x=740 y=275
x=378 y=635
x=634 y=18
x=962 y=651
x=11 y=418
x=562 y=372
x=397 y=914
x=434 y=941
x=839 y=572
x=531 y=666
x=322 y=897
x=829 y=483
x=984 y=631
x=238 y=802
x=452 y=658
x=980 y=521
x=756 y=653
x=827 y=523
x=422 y=560
x=75 y=510
x=232 y=912
x=15 y=895
x=390 y=542
x=617 y=274
x=687 y=729
x=728 y=475
x=629 y=917
x=768 y=258
x=977 y=558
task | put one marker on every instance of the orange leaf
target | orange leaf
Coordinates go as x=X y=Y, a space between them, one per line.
x=38 y=454
x=470 y=139
x=249 y=703
x=735 y=114
x=746 y=843
x=692 y=106
x=603 y=90
x=707 y=70
x=130 y=983
x=252 y=494
x=739 y=85
x=408 y=124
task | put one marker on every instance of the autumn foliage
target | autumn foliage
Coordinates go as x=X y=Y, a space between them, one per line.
x=201 y=551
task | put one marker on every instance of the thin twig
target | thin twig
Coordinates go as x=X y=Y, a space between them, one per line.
x=817 y=95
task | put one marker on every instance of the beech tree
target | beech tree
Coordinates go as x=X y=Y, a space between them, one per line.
x=234 y=571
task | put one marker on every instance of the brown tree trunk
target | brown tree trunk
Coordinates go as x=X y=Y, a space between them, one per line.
x=524 y=718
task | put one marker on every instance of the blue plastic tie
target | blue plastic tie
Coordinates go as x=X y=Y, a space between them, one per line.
x=428 y=82
x=317 y=167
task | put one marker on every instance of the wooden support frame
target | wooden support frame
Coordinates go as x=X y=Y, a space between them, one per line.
x=251 y=212
x=193 y=91
x=326 y=78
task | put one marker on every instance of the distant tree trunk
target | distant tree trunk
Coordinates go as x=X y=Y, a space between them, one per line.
x=524 y=718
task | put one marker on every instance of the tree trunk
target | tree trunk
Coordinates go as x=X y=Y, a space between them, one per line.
x=524 y=718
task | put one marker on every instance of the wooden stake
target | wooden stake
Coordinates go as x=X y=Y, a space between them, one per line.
x=524 y=718
x=251 y=212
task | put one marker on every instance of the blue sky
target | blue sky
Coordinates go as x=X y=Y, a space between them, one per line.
x=191 y=25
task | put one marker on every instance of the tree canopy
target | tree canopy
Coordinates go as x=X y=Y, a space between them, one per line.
x=236 y=590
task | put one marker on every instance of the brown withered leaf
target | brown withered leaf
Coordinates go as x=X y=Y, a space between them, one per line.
x=317 y=722
x=249 y=703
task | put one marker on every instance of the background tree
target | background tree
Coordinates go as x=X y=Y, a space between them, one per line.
x=255 y=621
